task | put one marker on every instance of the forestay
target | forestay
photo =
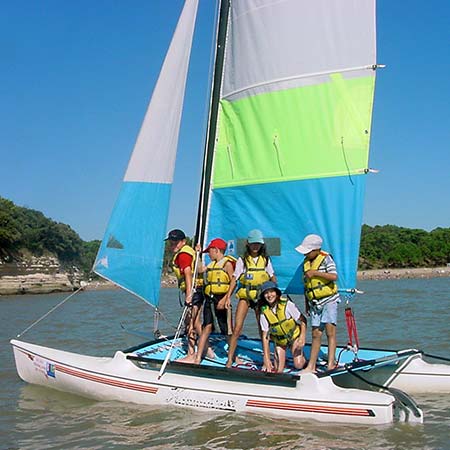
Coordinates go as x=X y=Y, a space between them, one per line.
x=294 y=122
x=132 y=248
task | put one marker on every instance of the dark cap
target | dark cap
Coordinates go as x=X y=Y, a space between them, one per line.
x=175 y=235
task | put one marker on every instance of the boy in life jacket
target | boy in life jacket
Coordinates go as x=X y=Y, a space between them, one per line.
x=183 y=264
x=216 y=281
x=321 y=296
x=284 y=324
x=252 y=270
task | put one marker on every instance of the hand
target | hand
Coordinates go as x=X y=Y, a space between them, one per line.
x=188 y=300
x=221 y=304
x=312 y=273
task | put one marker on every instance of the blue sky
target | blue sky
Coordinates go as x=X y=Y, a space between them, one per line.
x=76 y=78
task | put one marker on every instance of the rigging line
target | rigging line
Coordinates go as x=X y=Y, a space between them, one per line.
x=53 y=309
x=298 y=77
x=183 y=317
x=345 y=160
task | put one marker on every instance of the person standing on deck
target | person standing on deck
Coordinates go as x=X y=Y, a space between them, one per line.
x=321 y=297
x=216 y=281
x=252 y=270
x=183 y=264
x=284 y=324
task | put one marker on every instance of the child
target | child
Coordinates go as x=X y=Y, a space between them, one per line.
x=252 y=270
x=284 y=324
x=321 y=296
x=217 y=277
x=183 y=264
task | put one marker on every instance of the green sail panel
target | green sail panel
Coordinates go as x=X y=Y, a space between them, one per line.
x=312 y=131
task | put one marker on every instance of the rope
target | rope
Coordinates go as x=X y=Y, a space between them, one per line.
x=351 y=327
x=53 y=309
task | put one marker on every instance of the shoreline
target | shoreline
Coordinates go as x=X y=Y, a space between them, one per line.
x=45 y=284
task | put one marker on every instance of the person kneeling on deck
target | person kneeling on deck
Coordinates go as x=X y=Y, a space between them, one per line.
x=321 y=297
x=216 y=281
x=282 y=322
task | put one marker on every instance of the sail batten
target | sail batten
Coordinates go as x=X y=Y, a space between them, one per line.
x=132 y=249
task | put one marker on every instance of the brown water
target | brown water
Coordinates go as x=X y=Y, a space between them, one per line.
x=392 y=313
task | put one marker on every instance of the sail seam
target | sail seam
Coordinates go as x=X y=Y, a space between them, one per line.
x=296 y=77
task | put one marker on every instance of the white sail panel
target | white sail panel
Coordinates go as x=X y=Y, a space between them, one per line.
x=315 y=37
x=153 y=158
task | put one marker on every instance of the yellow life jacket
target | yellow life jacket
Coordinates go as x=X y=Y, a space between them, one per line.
x=177 y=270
x=216 y=279
x=252 y=279
x=317 y=288
x=282 y=331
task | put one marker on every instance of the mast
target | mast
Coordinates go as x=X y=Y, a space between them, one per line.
x=212 y=122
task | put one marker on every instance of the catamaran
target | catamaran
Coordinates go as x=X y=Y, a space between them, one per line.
x=287 y=148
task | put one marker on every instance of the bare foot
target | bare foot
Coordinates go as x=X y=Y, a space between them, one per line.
x=332 y=366
x=187 y=359
x=210 y=353
x=308 y=370
x=238 y=361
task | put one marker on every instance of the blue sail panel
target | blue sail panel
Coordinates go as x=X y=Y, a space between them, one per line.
x=132 y=248
x=330 y=207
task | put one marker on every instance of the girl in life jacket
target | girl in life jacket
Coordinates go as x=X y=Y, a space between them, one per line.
x=252 y=270
x=284 y=324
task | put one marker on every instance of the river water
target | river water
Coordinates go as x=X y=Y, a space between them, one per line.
x=391 y=314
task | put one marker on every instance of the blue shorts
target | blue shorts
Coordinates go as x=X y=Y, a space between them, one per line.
x=326 y=314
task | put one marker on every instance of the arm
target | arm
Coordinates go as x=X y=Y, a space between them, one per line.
x=224 y=302
x=325 y=275
x=227 y=297
x=188 y=280
x=302 y=330
x=268 y=367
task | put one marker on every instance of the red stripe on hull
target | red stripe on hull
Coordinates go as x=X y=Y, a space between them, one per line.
x=108 y=381
x=310 y=408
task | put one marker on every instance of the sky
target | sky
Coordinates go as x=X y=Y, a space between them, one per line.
x=76 y=78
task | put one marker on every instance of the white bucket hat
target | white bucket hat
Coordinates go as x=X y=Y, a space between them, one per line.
x=311 y=242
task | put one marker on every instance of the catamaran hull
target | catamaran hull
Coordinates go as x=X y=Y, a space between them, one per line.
x=120 y=379
x=413 y=375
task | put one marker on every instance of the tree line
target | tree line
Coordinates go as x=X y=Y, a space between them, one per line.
x=386 y=246
x=23 y=229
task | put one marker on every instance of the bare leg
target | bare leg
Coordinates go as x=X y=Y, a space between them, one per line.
x=280 y=358
x=297 y=354
x=191 y=329
x=241 y=314
x=315 y=349
x=331 y=336
x=203 y=343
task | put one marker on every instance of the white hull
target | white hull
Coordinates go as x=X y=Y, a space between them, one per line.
x=412 y=375
x=118 y=378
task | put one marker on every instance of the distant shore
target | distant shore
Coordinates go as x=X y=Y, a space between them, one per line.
x=373 y=274
x=387 y=274
x=44 y=284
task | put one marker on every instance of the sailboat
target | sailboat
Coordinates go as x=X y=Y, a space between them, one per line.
x=287 y=148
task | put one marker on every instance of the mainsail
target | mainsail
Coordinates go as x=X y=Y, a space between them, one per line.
x=132 y=248
x=292 y=143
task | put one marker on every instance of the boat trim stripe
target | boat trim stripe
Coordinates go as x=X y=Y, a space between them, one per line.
x=108 y=381
x=310 y=408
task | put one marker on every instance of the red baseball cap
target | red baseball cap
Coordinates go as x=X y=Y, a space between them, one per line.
x=216 y=243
